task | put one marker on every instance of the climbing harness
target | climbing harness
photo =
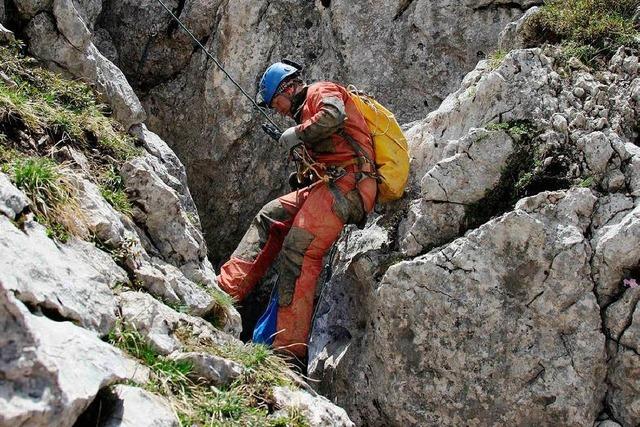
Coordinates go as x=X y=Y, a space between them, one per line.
x=271 y=125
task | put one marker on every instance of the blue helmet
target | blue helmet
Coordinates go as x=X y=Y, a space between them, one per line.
x=271 y=79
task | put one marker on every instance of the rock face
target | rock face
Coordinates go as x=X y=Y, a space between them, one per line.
x=74 y=282
x=59 y=34
x=429 y=46
x=44 y=380
x=527 y=316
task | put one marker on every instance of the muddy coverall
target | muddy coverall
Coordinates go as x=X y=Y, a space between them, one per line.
x=300 y=227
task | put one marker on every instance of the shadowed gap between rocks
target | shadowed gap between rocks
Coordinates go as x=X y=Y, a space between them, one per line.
x=524 y=175
x=99 y=410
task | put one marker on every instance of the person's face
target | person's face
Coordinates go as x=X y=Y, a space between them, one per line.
x=282 y=104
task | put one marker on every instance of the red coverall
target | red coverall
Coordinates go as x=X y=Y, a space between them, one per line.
x=305 y=223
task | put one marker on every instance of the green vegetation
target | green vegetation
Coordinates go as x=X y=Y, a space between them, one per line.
x=587 y=29
x=112 y=189
x=40 y=102
x=41 y=112
x=118 y=199
x=223 y=302
x=588 y=182
x=496 y=58
x=51 y=192
x=222 y=299
x=247 y=401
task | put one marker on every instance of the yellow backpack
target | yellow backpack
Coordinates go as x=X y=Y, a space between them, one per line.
x=390 y=145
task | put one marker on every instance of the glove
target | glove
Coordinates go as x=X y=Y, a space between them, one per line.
x=289 y=137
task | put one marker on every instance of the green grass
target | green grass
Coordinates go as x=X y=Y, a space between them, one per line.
x=221 y=298
x=51 y=192
x=38 y=105
x=118 y=199
x=223 y=302
x=246 y=402
x=496 y=58
x=588 y=28
x=587 y=182
x=42 y=102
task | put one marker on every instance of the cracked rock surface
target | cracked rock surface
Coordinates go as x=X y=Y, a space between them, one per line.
x=526 y=315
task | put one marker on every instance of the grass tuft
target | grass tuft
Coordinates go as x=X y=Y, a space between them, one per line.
x=52 y=194
x=247 y=401
x=496 y=58
x=39 y=102
x=588 y=28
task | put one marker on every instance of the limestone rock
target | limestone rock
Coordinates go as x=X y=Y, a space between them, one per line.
x=633 y=170
x=168 y=166
x=12 y=201
x=608 y=423
x=70 y=24
x=45 y=382
x=453 y=183
x=177 y=239
x=214 y=369
x=30 y=8
x=319 y=411
x=343 y=311
x=516 y=34
x=616 y=248
x=619 y=317
x=71 y=280
x=190 y=290
x=159 y=323
x=168 y=283
x=624 y=389
x=5 y=35
x=135 y=407
x=82 y=59
x=502 y=323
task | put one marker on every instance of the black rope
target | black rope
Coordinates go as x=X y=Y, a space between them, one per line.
x=255 y=104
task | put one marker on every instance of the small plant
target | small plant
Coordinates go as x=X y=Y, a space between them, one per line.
x=193 y=219
x=517 y=128
x=496 y=58
x=168 y=373
x=112 y=189
x=54 y=231
x=587 y=182
x=587 y=54
x=223 y=303
x=40 y=101
x=221 y=298
x=118 y=199
x=52 y=196
x=125 y=250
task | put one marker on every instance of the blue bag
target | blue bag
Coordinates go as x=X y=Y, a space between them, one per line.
x=265 y=330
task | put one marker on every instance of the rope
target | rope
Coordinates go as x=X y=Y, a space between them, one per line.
x=255 y=104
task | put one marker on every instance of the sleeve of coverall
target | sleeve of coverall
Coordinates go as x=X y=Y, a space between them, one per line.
x=329 y=118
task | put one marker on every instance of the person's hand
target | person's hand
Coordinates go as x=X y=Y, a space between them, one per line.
x=289 y=137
